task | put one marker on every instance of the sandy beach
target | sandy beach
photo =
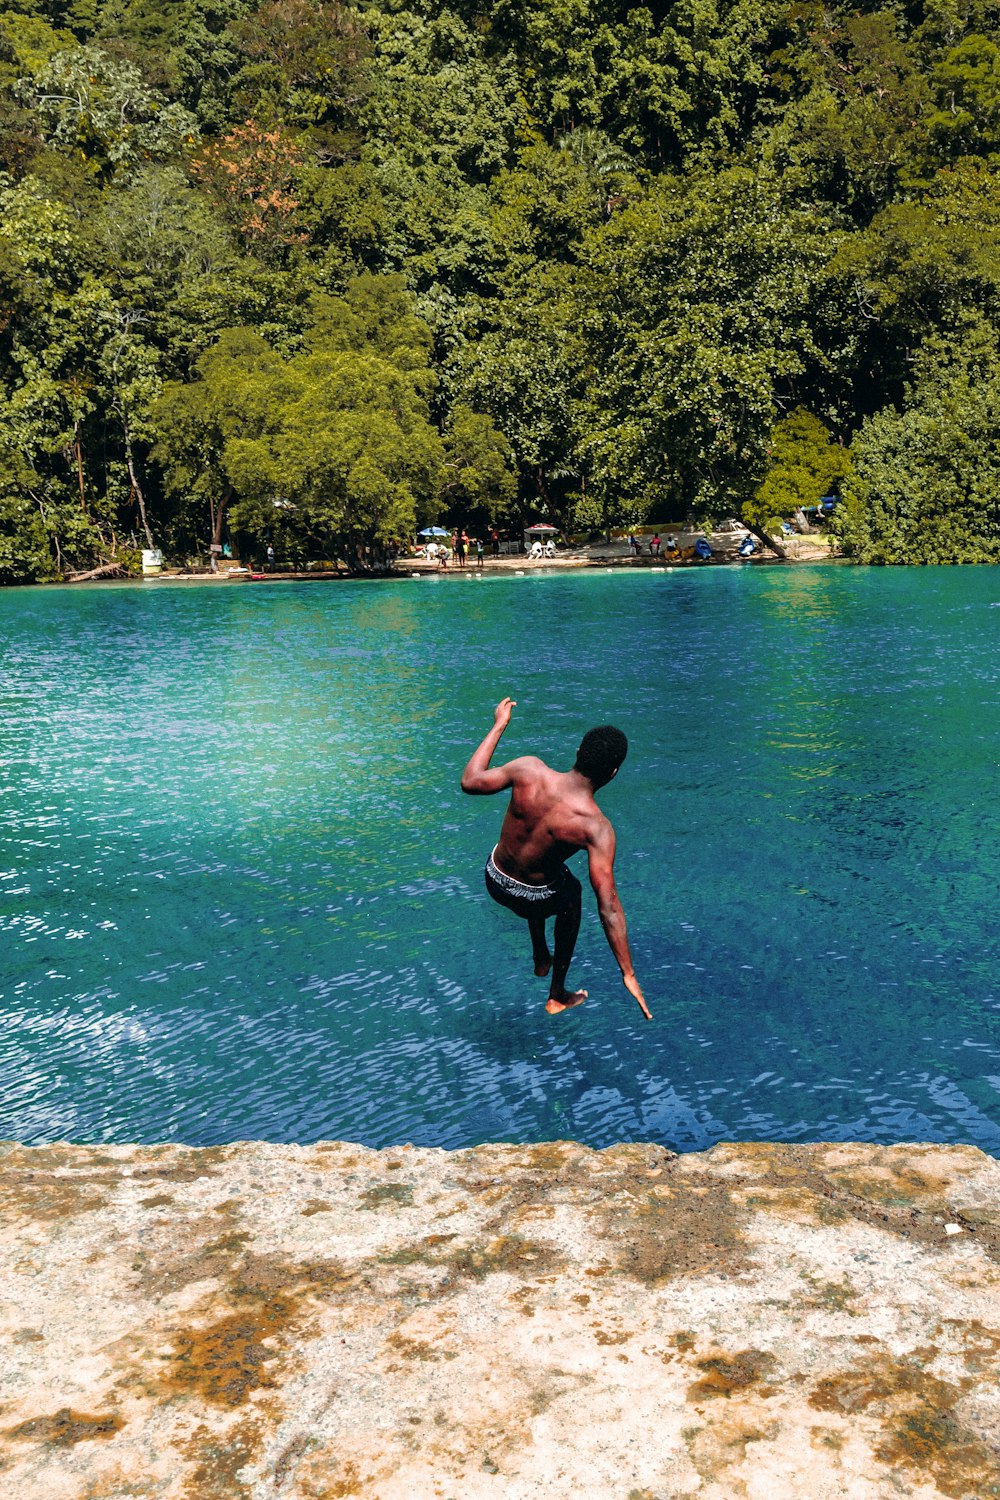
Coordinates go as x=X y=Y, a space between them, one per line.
x=814 y=548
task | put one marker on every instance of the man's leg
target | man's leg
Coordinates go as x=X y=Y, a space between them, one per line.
x=539 y=947
x=567 y=927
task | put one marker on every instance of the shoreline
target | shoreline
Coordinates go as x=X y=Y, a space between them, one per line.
x=505 y=1320
x=410 y=567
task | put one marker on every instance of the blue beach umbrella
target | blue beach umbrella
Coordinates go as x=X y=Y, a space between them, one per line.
x=433 y=531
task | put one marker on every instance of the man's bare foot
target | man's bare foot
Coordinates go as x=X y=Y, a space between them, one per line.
x=543 y=965
x=566 y=1001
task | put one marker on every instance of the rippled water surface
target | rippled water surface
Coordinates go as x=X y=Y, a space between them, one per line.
x=241 y=893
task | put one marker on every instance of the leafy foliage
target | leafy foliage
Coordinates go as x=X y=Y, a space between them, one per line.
x=805 y=465
x=926 y=480
x=330 y=449
x=308 y=273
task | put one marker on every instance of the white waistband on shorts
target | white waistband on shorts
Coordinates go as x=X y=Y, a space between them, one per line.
x=518 y=887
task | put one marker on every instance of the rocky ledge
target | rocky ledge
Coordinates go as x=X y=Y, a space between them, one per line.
x=270 y=1321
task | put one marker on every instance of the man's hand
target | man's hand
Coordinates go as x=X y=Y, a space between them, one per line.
x=632 y=985
x=501 y=714
x=477 y=778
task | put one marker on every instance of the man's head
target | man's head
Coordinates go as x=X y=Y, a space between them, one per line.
x=601 y=752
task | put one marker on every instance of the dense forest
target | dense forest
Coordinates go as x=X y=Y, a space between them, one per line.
x=314 y=274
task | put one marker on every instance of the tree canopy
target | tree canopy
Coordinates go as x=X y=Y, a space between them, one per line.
x=312 y=274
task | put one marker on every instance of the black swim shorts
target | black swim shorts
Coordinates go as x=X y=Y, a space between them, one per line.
x=531 y=900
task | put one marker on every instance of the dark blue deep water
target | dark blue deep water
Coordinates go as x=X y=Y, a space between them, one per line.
x=241 y=893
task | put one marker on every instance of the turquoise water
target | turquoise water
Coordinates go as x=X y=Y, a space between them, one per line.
x=241 y=893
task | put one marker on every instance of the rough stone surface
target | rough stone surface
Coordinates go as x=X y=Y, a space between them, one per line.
x=270 y=1321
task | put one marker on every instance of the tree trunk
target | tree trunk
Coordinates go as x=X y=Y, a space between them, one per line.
x=768 y=541
x=136 y=487
x=79 y=466
x=102 y=572
x=218 y=513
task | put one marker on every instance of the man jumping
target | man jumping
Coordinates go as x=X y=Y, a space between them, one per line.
x=551 y=815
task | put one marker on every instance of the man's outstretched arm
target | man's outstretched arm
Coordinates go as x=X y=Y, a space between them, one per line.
x=477 y=778
x=601 y=855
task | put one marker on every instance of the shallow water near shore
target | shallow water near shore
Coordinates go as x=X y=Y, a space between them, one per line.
x=241 y=893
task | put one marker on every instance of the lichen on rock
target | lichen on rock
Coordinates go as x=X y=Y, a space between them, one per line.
x=301 y=1323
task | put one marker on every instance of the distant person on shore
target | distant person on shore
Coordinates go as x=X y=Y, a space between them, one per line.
x=633 y=542
x=551 y=815
x=461 y=543
x=270 y=558
x=479 y=552
x=654 y=546
x=495 y=540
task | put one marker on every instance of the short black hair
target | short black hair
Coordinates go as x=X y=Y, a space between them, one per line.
x=601 y=752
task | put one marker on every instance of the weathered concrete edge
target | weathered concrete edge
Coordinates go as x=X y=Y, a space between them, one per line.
x=252 y=1320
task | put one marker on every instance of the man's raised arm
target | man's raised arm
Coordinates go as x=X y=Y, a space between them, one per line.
x=601 y=855
x=477 y=778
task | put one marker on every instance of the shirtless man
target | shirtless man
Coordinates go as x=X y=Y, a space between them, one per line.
x=551 y=815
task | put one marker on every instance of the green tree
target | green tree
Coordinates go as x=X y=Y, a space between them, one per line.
x=212 y=434
x=805 y=463
x=358 y=458
x=526 y=373
x=922 y=262
x=26 y=553
x=160 y=247
x=58 y=317
x=88 y=102
x=925 y=487
x=852 y=128
x=27 y=45
x=967 y=82
x=332 y=448
x=704 y=307
x=477 y=469
x=306 y=64
x=185 y=49
x=666 y=83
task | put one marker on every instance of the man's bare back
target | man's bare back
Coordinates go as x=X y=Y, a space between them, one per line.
x=552 y=815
